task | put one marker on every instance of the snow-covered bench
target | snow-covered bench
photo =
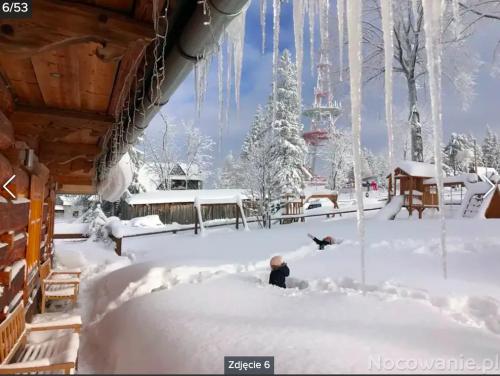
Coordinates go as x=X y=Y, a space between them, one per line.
x=55 y=351
x=58 y=284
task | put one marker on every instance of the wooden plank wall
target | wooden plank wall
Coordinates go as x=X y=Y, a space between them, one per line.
x=182 y=213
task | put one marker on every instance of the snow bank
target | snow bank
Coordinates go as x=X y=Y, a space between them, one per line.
x=138 y=225
x=70 y=228
x=198 y=299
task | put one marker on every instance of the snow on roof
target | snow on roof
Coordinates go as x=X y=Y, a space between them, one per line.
x=486 y=171
x=457 y=179
x=59 y=207
x=188 y=195
x=183 y=177
x=318 y=190
x=420 y=169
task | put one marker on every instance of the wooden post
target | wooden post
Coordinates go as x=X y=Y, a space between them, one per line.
x=389 y=190
x=118 y=246
x=237 y=217
x=196 y=224
x=410 y=190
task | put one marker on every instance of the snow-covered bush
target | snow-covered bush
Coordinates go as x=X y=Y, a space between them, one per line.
x=97 y=220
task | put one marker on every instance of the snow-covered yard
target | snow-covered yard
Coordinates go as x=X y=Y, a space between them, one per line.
x=180 y=303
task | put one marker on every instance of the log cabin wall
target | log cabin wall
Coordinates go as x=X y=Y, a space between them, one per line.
x=65 y=74
x=25 y=221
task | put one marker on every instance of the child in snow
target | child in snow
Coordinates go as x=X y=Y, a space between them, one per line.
x=279 y=272
x=327 y=240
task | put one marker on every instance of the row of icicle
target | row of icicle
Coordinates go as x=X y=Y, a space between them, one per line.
x=351 y=11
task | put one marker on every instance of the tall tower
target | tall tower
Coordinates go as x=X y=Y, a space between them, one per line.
x=323 y=113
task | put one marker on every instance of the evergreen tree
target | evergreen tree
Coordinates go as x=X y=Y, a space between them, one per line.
x=259 y=167
x=230 y=175
x=337 y=153
x=290 y=147
x=491 y=149
x=461 y=154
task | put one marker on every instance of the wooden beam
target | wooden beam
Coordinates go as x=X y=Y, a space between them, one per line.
x=53 y=125
x=126 y=74
x=63 y=153
x=74 y=179
x=78 y=165
x=58 y=23
x=6 y=132
x=6 y=99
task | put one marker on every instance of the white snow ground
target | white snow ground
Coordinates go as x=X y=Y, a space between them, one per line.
x=180 y=303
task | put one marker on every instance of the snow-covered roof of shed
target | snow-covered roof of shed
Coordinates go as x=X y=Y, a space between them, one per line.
x=189 y=195
x=425 y=170
x=317 y=190
x=487 y=171
x=457 y=179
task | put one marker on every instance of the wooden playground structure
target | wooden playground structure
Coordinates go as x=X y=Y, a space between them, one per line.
x=416 y=182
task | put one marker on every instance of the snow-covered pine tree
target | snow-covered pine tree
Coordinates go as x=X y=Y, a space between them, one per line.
x=259 y=167
x=290 y=147
x=198 y=152
x=230 y=175
x=491 y=149
x=462 y=153
x=96 y=219
x=137 y=159
x=337 y=153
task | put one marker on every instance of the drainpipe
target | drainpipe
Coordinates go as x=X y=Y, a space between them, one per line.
x=196 y=40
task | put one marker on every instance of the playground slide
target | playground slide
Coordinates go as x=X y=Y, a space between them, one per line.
x=390 y=211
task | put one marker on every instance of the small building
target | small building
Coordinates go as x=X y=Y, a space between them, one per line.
x=408 y=181
x=151 y=176
x=178 y=206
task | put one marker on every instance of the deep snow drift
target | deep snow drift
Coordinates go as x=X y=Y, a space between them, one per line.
x=186 y=301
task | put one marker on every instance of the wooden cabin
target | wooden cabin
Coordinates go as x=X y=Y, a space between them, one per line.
x=177 y=206
x=80 y=80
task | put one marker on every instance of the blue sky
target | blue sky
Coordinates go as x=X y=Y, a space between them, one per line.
x=256 y=87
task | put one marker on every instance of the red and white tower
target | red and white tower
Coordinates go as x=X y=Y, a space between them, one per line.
x=323 y=113
x=325 y=110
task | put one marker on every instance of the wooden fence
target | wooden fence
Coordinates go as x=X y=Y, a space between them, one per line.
x=280 y=219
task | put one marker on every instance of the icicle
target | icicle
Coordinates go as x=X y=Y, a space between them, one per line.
x=354 y=35
x=220 y=88
x=456 y=17
x=324 y=36
x=263 y=11
x=432 y=25
x=340 y=20
x=387 y=27
x=298 y=30
x=324 y=32
x=414 y=9
x=201 y=78
x=276 y=40
x=229 y=73
x=236 y=38
x=312 y=26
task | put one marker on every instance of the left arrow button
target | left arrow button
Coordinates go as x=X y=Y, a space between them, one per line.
x=7 y=189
